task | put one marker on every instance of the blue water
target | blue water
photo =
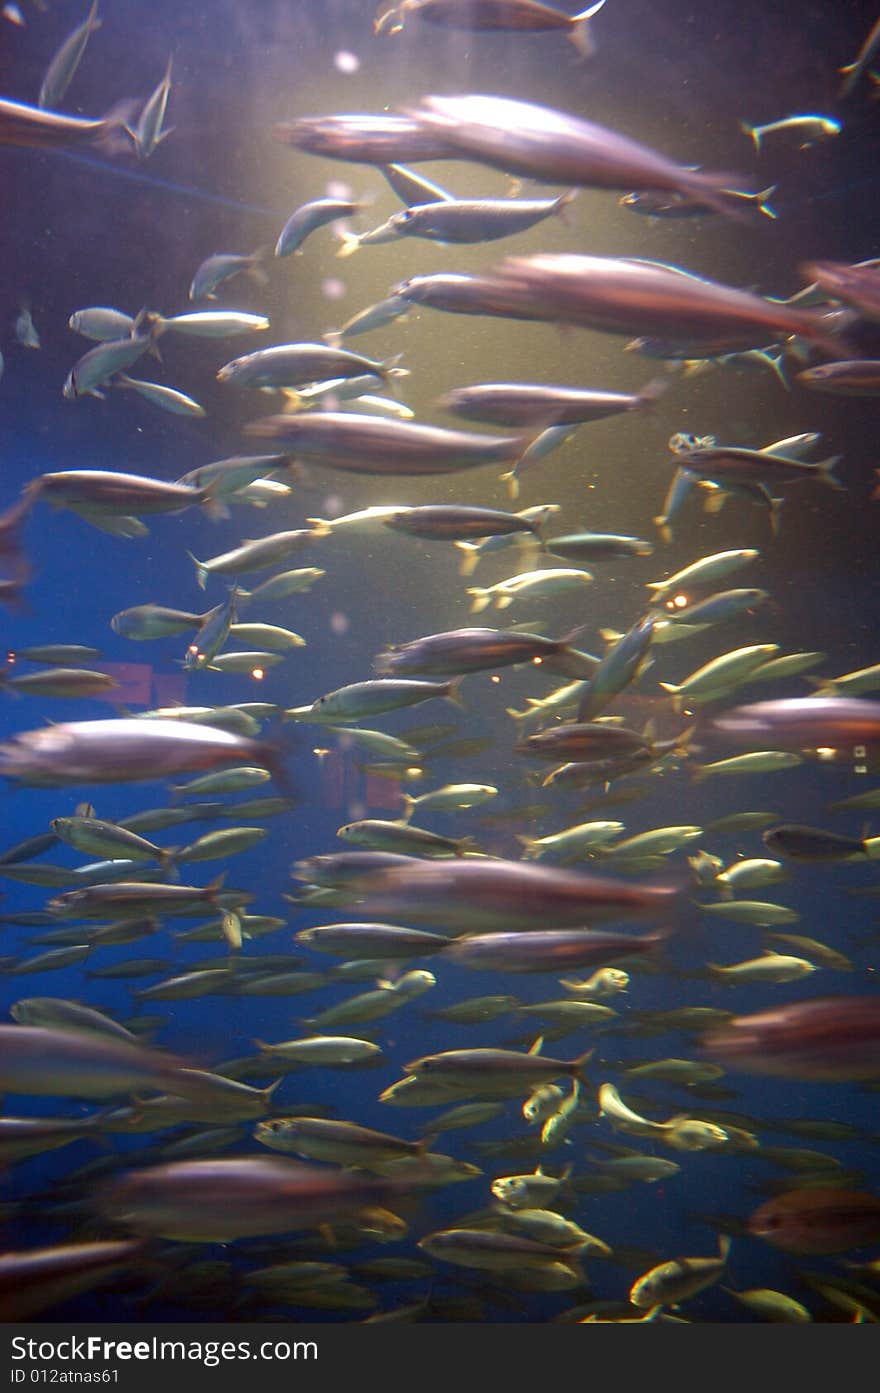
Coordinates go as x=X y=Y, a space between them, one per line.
x=83 y=229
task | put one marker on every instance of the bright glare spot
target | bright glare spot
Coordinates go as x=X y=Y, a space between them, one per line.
x=339 y=622
x=13 y=14
x=337 y=188
x=537 y=661
x=258 y=674
x=321 y=754
x=194 y=649
x=495 y=677
x=333 y=288
x=413 y=772
x=10 y=657
x=345 y=62
x=679 y=601
x=826 y=752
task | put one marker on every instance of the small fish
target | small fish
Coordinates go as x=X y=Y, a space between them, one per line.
x=215 y=270
x=680 y=1278
x=147 y=133
x=165 y=397
x=308 y=218
x=807 y=129
x=207 y=324
x=25 y=329
x=510 y=16
x=63 y=66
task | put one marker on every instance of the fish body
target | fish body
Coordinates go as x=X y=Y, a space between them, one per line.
x=123 y=750
x=102 y=362
x=538 y=142
x=63 y=66
x=546 y=950
x=629 y=296
x=215 y=270
x=295 y=364
x=308 y=218
x=850 y=378
x=236 y=1197
x=474 y=220
x=678 y=1279
x=364 y=444
x=382 y=139
x=526 y=405
x=818 y=1221
x=807 y=129
x=840 y=724
x=487 y=895
x=453 y=522
x=147 y=132
x=461 y=651
x=827 y=1038
x=32 y=126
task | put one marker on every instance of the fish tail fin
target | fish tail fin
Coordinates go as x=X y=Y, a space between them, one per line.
x=333 y=338
x=698 y=773
x=213 y=888
x=530 y=852
x=409 y=806
x=510 y=478
x=349 y=243
x=267 y=1093
x=388 y=372
x=256 y=270
x=662 y=525
x=391 y=22
x=725 y=1243
x=775 y=510
x=872 y=847
x=579 y=1064
x=116 y=126
x=465 y=845
x=848 y=72
x=452 y=693
x=168 y=861
x=201 y=571
x=580 y=33
x=761 y=200
x=754 y=134
x=470 y=555
x=825 y=472
x=320 y=527
x=653 y=391
x=481 y=599
x=562 y=203
x=503 y=601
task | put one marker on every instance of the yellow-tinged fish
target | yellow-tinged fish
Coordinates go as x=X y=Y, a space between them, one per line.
x=680 y=1278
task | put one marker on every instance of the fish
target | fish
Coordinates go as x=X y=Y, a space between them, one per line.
x=218 y=1200
x=38 y=1279
x=255 y=555
x=123 y=750
x=458 y=522
x=296 y=364
x=798 y=843
x=630 y=296
x=852 y=72
x=64 y=64
x=32 y=126
x=364 y=444
x=461 y=651
x=825 y=1038
x=678 y=1279
x=215 y=270
x=306 y=219
x=168 y=398
x=537 y=142
x=807 y=129
x=526 y=405
x=839 y=726
x=850 y=378
x=147 y=132
x=508 y=16
x=547 y=950
x=818 y=1222
x=455 y=221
